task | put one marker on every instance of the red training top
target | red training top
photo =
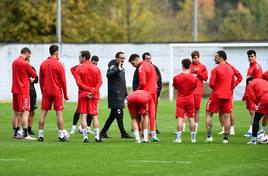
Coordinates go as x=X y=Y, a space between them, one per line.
x=185 y=85
x=222 y=81
x=52 y=78
x=88 y=79
x=21 y=72
x=201 y=73
x=142 y=98
x=147 y=78
x=265 y=76
x=254 y=70
x=256 y=89
x=237 y=74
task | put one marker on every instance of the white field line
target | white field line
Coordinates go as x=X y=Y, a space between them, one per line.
x=158 y=161
x=10 y=159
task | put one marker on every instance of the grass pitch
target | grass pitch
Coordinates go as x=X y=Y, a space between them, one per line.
x=118 y=156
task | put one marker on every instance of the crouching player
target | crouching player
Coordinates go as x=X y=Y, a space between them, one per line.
x=140 y=103
x=258 y=93
x=185 y=84
x=88 y=79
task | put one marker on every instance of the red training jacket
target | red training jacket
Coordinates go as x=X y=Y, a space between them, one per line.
x=237 y=74
x=88 y=79
x=142 y=98
x=201 y=73
x=147 y=78
x=222 y=81
x=254 y=70
x=256 y=89
x=52 y=78
x=185 y=84
x=265 y=76
x=21 y=73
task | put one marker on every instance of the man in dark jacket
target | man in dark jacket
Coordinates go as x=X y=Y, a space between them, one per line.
x=135 y=84
x=117 y=92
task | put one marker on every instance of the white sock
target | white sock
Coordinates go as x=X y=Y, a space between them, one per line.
x=61 y=134
x=136 y=135
x=250 y=129
x=263 y=128
x=97 y=133
x=196 y=126
x=41 y=133
x=145 y=134
x=74 y=127
x=153 y=133
x=179 y=133
x=254 y=139
x=193 y=135
x=223 y=128
x=184 y=125
x=84 y=131
x=232 y=128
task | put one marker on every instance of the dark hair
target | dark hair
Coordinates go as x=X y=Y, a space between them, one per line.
x=186 y=63
x=53 y=49
x=118 y=53
x=145 y=54
x=249 y=52
x=222 y=54
x=249 y=79
x=133 y=57
x=85 y=54
x=25 y=50
x=195 y=53
x=95 y=58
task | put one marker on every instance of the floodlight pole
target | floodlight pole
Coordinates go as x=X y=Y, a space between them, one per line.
x=58 y=26
x=195 y=32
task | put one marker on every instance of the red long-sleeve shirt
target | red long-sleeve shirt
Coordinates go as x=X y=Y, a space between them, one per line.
x=21 y=73
x=222 y=81
x=147 y=78
x=201 y=73
x=52 y=78
x=254 y=70
x=237 y=74
x=185 y=84
x=265 y=75
x=256 y=89
x=88 y=79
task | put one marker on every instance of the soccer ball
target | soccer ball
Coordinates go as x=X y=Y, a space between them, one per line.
x=260 y=135
x=66 y=135
x=20 y=134
x=263 y=140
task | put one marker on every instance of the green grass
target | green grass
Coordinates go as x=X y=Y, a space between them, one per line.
x=118 y=156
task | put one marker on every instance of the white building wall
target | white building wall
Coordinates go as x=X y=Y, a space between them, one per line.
x=160 y=54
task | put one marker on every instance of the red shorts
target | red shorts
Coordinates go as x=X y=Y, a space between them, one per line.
x=197 y=101
x=48 y=100
x=218 y=104
x=263 y=105
x=187 y=109
x=250 y=105
x=135 y=109
x=87 y=106
x=21 y=102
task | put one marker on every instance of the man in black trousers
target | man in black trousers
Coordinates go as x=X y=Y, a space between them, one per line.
x=117 y=92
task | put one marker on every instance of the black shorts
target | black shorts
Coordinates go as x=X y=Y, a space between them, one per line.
x=33 y=103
